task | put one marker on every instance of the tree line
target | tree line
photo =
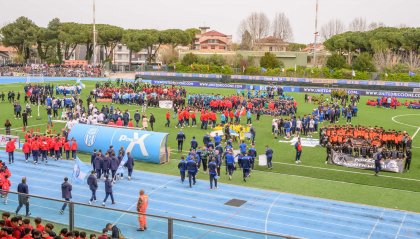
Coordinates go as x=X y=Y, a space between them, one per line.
x=389 y=48
x=59 y=40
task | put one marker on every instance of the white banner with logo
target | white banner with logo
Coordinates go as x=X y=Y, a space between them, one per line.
x=166 y=104
x=306 y=142
x=262 y=160
x=5 y=138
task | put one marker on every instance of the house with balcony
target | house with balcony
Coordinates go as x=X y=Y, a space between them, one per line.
x=212 y=40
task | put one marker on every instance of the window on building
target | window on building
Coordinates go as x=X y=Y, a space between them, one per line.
x=271 y=48
x=213 y=47
x=222 y=47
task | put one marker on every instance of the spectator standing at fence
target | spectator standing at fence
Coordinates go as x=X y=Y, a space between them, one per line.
x=92 y=181
x=66 y=188
x=142 y=204
x=23 y=197
x=10 y=149
x=298 y=148
x=7 y=126
x=108 y=191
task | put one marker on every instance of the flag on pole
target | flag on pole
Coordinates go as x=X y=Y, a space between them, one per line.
x=263 y=69
x=120 y=169
x=80 y=171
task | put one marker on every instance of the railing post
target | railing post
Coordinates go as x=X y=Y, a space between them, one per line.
x=71 y=216
x=170 y=228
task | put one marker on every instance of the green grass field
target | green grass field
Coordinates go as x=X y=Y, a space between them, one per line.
x=312 y=178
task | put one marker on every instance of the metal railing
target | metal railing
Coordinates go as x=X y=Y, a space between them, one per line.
x=86 y=217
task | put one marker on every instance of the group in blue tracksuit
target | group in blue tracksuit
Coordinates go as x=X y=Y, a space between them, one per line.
x=115 y=163
x=66 y=188
x=192 y=168
x=182 y=166
x=246 y=166
x=92 y=181
x=129 y=164
x=213 y=173
x=212 y=159
x=230 y=163
x=97 y=164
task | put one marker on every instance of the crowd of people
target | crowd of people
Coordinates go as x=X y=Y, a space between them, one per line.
x=385 y=102
x=46 y=70
x=18 y=227
x=366 y=142
x=213 y=154
x=138 y=93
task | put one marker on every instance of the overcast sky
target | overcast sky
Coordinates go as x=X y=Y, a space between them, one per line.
x=221 y=15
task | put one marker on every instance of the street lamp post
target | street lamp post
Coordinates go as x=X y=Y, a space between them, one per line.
x=94 y=33
x=316 y=33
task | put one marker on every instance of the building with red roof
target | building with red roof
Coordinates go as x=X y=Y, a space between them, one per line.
x=212 y=40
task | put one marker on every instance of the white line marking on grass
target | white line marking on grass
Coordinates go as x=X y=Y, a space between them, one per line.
x=344 y=171
x=399 y=229
x=29 y=126
x=376 y=224
x=414 y=135
x=268 y=214
x=396 y=121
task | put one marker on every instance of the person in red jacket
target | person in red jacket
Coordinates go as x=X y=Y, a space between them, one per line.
x=35 y=149
x=193 y=119
x=57 y=147
x=73 y=148
x=119 y=122
x=231 y=115
x=10 y=149
x=168 y=119
x=26 y=148
x=17 y=229
x=67 y=149
x=9 y=233
x=43 y=147
x=38 y=224
x=5 y=187
x=130 y=123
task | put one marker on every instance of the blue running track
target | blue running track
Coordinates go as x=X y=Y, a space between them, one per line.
x=265 y=211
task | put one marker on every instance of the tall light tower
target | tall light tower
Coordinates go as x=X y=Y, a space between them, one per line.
x=316 y=33
x=94 y=33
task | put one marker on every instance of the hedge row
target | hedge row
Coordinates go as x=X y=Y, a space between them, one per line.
x=299 y=72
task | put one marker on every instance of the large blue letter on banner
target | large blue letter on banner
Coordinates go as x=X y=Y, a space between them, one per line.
x=146 y=146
